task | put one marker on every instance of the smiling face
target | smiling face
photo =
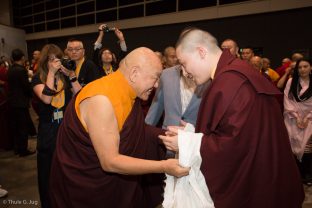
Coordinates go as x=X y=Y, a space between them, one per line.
x=194 y=64
x=144 y=69
x=147 y=81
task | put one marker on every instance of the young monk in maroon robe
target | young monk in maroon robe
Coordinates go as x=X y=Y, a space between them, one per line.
x=246 y=156
x=103 y=142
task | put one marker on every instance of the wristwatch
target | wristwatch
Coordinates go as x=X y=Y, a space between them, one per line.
x=73 y=79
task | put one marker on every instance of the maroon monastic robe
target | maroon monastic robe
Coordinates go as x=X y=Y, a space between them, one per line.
x=247 y=159
x=77 y=179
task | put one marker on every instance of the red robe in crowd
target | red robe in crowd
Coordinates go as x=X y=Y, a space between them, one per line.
x=77 y=179
x=247 y=159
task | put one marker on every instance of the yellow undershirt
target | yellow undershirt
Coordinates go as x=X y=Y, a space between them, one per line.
x=117 y=89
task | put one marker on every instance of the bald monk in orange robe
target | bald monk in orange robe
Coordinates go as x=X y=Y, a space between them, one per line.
x=104 y=148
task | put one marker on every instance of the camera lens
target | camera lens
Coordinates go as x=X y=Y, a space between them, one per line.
x=105 y=28
x=68 y=64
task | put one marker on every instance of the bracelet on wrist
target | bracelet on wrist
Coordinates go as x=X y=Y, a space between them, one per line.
x=73 y=79
x=100 y=30
x=48 y=91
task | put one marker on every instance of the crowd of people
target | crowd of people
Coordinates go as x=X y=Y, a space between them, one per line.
x=112 y=121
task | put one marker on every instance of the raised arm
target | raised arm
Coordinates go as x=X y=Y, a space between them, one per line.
x=98 y=42
x=121 y=40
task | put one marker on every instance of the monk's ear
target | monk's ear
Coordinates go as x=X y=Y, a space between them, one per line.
x=201 y=51
x=134 y=73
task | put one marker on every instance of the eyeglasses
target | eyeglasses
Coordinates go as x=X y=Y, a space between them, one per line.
x=74 y=49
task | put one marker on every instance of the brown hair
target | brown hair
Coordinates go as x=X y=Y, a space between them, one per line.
x=46 y=52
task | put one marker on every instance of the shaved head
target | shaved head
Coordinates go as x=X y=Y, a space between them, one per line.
x=256 y=62
x=192 y=38
x=198 y=54
x=142 y=68
x=143 y=57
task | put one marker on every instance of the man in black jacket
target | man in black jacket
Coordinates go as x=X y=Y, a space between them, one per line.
x=18 y=98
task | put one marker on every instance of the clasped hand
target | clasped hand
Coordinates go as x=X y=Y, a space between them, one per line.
x=302 y=123
x=170 y=139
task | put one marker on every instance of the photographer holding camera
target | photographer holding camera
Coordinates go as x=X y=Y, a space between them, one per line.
x=104 y=57
x=54 y=84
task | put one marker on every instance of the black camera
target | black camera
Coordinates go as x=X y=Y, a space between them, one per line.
x=105 y=28
x=68 y=64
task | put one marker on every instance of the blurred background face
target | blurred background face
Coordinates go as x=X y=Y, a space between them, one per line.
x=36 y=55
x=75 y=50
x=266 y=63
x=247 y=53
x=228 y=44
x=170 y=58
x=256 y=62
x=296 y=56
x=285 y=61
x=304 y=69
x=107 y=57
